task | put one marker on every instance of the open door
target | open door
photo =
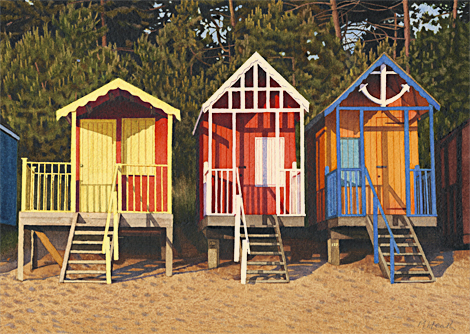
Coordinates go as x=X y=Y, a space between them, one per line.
x=97 y=161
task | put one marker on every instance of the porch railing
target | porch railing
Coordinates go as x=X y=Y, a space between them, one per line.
x=422 y=198
x=46 y=186
x=351 y=193
x=220 y=200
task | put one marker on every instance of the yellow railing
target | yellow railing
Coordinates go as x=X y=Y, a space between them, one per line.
x=112 y=208
x=46 y=186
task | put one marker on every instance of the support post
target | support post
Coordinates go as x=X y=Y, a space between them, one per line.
x=333 y=252
x=209 y=160
x=236 y=246
x=169 y=160
x=302 y=163
x=73 y=160
x=277 y=165
x=213 y=253
x=23 y=183
x=338 y=163
x=162 y=245
x=19 y=272
x=244 y=260
x=169 y=250
x=433 y=162
x=407 y=163
x=34 y=250
x=363 y=162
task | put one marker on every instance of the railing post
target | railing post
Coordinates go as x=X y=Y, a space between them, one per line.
x=106 y=246
x=119 y=189
x=376 y=232
x=392 y=261
x=244 y=260
x=338 y=164
x=23 y=183
x=236 y=249
x=363 y=163
x=115 y=228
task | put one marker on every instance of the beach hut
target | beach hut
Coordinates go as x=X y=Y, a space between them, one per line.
x=119 y=177
x=8 y=158
x=248 y=152
x=453 y=181
x=364 y=169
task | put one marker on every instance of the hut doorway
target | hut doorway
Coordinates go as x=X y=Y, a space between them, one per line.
x=97 y=161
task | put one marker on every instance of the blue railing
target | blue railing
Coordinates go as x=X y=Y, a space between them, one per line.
x=351 y=193
x=393 y=244
x=422 y=191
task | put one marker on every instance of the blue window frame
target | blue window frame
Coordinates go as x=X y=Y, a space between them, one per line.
x=350 y=159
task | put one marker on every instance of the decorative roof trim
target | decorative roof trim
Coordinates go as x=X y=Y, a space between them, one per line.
x=118 y=84
x=9 y=132
x=383 y=59
x=253 y=60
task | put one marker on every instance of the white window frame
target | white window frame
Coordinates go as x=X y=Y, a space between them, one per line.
x=265 y=161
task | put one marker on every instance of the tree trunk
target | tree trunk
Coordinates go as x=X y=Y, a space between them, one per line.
x=454 y=11
x=335 y=18
x=103 y=24
x=406 y=13
x=232 y=13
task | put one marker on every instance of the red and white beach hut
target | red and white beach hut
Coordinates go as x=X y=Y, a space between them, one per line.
x=247 y=145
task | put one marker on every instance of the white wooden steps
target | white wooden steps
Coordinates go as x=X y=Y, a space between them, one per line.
x=266 y=243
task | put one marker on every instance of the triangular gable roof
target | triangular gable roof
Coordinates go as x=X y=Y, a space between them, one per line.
x=383 y=59
x=123 y=85
x=253 y=60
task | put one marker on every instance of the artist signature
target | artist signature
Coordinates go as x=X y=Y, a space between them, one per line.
x=435 y=325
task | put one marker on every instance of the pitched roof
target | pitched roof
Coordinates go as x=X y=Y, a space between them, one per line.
x=383 y=59
x=5 y=128
x=254 y=59
x=123 y=85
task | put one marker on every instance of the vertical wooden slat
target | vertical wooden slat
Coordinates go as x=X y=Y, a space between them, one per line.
x=73 y=160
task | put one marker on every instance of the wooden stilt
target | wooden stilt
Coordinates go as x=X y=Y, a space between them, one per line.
x=213 y=253
x=169 y=251
x=333 y=251
x=19 y=273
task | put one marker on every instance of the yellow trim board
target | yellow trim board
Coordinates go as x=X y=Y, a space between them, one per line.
x=115 y=84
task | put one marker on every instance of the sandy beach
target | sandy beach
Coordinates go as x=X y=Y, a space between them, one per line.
x=321 y=298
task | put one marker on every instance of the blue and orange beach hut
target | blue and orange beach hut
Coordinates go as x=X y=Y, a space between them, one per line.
x=363 y=167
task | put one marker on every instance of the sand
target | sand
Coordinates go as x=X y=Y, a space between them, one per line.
x=321 y=298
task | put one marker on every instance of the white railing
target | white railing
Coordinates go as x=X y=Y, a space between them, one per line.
x=292 y=192
x=46 y=186
x=219 y=199
x=240 y=218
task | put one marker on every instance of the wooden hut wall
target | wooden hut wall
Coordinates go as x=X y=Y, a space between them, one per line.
x=454 y=186
x=139 y=117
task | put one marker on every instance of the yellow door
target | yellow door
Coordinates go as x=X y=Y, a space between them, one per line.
x=97 y=161
x=141 y=183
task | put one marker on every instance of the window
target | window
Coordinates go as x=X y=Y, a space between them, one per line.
x=350 y=159
x=265 y=151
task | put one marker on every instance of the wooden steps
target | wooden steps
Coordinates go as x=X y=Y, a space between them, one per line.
x=411 y=262
x=265 y=243
x=84 y=261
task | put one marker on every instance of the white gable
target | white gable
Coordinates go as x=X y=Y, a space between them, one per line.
x=271 y=73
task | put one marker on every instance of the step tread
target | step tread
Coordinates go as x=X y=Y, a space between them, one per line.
x=402 y=254
x=91 y=232
x=264 y=263
x=265 y=253
x=85 y=272
x=270 y=281
x=87 y=261
x=408 y=244
x=265 y=271
x=416 y=281
x=395 y=236
x=256 y=243
x=87 y=242
x=83 y=281
x=406 y=273
x=86 y=251
x=269 y=235
x=408 y=263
